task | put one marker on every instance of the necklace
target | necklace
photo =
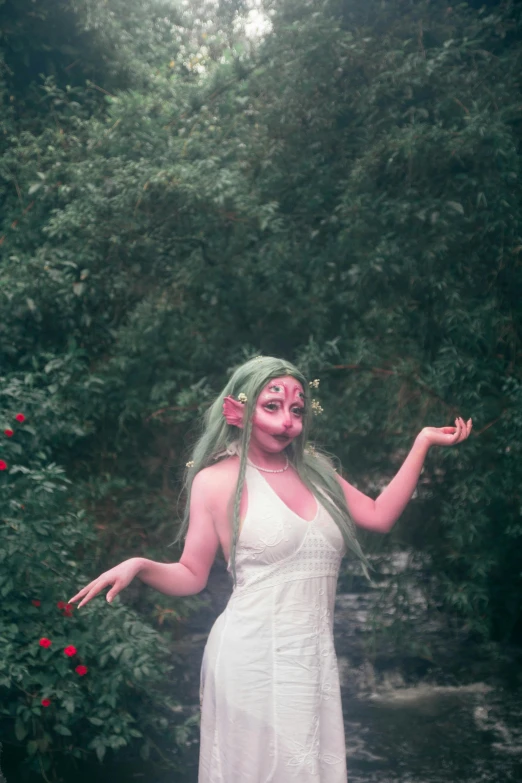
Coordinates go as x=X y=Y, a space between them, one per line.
x=267 y=470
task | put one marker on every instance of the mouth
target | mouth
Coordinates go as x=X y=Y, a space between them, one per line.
x=282 y=438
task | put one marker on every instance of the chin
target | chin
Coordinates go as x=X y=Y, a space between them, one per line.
x=282 y=446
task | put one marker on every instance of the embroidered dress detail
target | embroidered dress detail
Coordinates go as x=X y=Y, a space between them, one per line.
x=270 y=697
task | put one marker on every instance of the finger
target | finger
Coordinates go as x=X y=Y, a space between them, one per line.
x=95 y=589
x=81 y=593
x=457 y=431
x=90 y=595
x=113 y=592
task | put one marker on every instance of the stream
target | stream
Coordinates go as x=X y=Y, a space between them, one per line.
x=443 y=709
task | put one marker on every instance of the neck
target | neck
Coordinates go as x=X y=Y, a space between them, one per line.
x=265 y=459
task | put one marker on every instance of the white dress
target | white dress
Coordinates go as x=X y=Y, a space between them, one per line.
x=270 y=697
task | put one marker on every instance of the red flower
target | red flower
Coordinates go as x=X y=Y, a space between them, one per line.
x=20 y=417
x=3 y=465
x=81 y=670
x=35 y=602
x=46 y=702
x=68 y=610
x=8 y=433
x=70 y=650
x=45 y=642
x=61 y=604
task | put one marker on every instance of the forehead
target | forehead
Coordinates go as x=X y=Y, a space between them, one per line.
x=284 y=386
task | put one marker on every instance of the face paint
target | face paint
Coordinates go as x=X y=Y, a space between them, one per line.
x=278 y=417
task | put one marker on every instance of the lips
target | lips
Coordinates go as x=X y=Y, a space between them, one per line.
x=281 y=438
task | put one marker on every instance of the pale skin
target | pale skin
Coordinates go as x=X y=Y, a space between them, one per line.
x=277 y=421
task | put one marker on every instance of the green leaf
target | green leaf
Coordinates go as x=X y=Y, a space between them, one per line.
x=21 y=730
x=456 y=206
x=61 y=729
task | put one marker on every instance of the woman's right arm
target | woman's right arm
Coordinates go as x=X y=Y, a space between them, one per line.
x=190 y=575
x=187 y=577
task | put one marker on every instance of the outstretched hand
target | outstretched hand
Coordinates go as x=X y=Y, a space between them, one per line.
x=447 y=436
x=119 y=577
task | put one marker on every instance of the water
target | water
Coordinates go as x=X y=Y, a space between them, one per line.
x=436 y=709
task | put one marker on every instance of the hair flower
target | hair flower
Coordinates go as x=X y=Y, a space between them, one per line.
x=242 y=398
x=190 y=464
x=317 y=407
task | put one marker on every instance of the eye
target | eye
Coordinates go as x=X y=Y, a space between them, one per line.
x=298 y=410
x=271 y=406
x=276 y=388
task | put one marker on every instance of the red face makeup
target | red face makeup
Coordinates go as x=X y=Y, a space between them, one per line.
x=278 y=417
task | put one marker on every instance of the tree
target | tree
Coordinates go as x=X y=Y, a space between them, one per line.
x=347 y=194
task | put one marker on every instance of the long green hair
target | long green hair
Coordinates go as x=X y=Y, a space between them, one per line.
x=315 y=470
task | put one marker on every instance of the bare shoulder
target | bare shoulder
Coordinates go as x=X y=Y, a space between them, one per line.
x=217 y=482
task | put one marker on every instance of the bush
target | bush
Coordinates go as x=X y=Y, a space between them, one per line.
x=72 y=683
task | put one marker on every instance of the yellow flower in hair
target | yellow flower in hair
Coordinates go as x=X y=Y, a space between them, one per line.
x=190 y=464
x=317 y=407
x=242 y=398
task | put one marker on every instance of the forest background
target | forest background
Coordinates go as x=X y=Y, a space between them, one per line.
x=177 y=194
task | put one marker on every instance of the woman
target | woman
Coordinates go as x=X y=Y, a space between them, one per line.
x=270 y=696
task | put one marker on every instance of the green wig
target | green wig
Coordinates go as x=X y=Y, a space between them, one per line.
x=315 y=470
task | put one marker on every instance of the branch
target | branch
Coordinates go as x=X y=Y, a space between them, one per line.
x=172 y=408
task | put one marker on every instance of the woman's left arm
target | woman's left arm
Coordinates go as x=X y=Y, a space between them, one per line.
x=381 y=514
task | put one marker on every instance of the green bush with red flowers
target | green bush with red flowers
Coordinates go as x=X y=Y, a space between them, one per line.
x=73 y=682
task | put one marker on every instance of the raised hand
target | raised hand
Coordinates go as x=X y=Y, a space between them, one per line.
x=447 y=436
x=119 y=577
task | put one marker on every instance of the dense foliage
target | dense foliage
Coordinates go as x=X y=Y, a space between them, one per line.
x=346 y=193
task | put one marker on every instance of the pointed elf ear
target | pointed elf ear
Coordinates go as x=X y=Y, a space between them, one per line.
x=233 y=411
